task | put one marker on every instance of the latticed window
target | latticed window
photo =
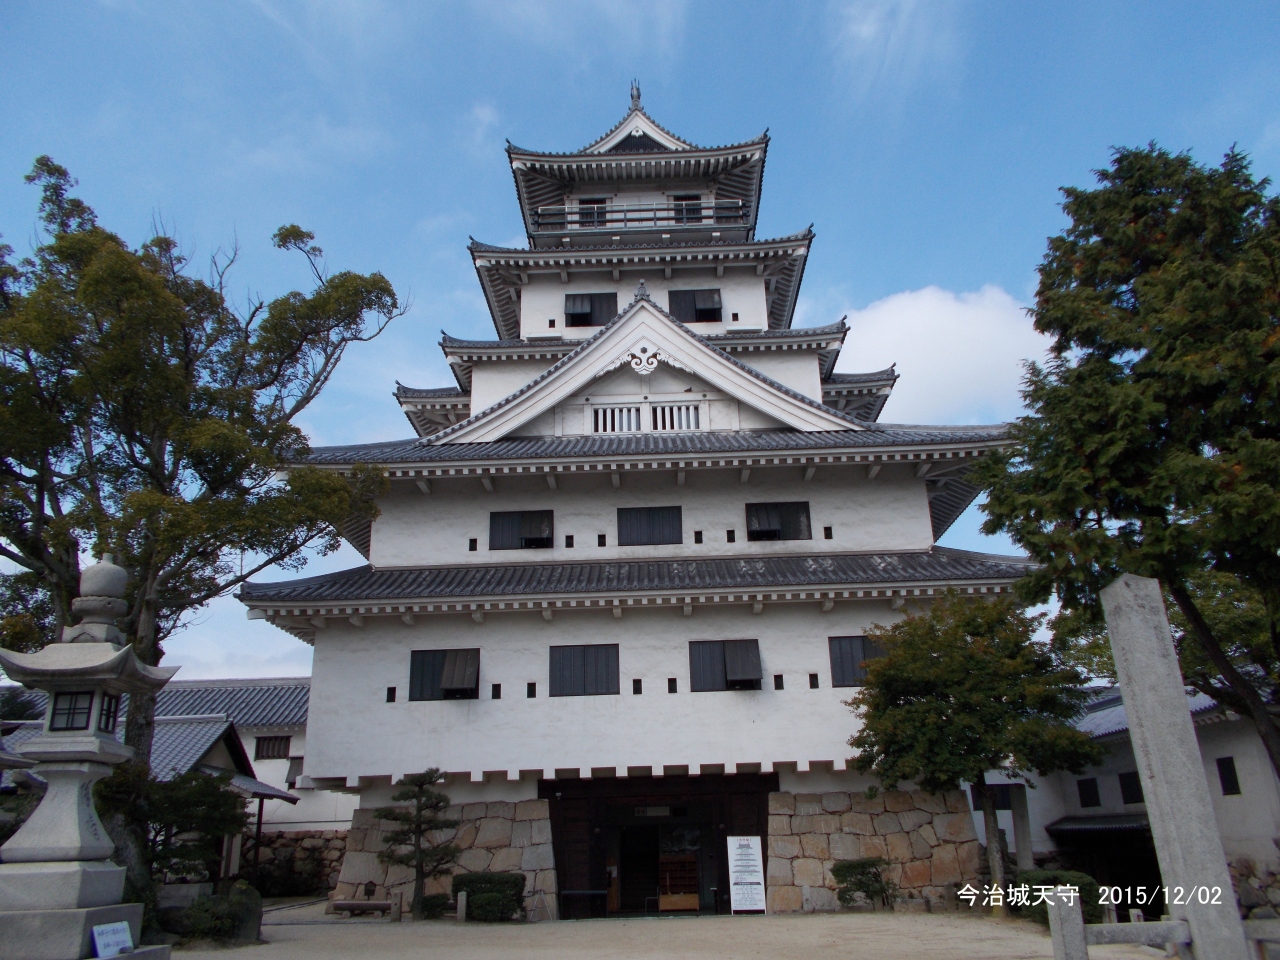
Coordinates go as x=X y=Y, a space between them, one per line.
x=849 y=656
x=521 y=530
x=584 y=670
x=668 y=417
x=638 y=526
x=271 y=748
x=71 y=710
x=779 y=521
x=616 y=419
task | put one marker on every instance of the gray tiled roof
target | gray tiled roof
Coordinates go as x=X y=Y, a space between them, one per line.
x=427 y=392
x=416 y=450
x=1106 y=716
x=873 y=377
x=552 y=253
x=365 y=583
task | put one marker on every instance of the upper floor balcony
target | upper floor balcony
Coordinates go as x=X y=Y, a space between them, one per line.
x=604 y=221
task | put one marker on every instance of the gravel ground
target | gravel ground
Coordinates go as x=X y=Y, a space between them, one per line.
x=304 y=933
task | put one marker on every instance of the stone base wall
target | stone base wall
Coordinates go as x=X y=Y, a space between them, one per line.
x=298 y=854
x=1257 y=889
x=927 y=838
x=495 y=837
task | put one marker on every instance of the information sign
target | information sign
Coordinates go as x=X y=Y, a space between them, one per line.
x=746 y=875
x=112 y=939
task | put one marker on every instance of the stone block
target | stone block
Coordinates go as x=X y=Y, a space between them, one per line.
x=969 y=855
x=778 y=871
x=785 y=899
x=815 y=845
x=59 y=934
x=802 y=824
x=501 y=808
x=860 y=804
x=545 y=881
x=475 y=860
x=919 y=848
x=473 y=811
x=312 y=843
x=897 y=801
x=779 y=825
x=538 y=857
x=373 y=840
x=397 y=874
x=845 y=846
x=853 y=822
x=522 y=833
x=893 y=873
x=541 y=831
x=808 y=804
x=929 y=836
x=782 y=803
x=494 y=832
x=532 y=810
x=359 y=868
x=929 y=802
x=874 y=847
x=910 y=819
x=362 y=818
x=786 y=847
x=887 y=823
x=957 y=801
x=835 y=802
x=916 y=874
x=944 y=865
x=60 y=885
x=466 y=835
x=826 y=823
x=954 y=827
x=508 y=858
x=827 y=878
x=806 y=872
x=899 y=845
x=355 y=839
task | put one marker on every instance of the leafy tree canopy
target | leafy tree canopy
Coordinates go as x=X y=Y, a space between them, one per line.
x=1152 y=445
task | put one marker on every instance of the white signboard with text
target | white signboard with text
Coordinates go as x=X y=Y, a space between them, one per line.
x=112 y=939
x=746 y=875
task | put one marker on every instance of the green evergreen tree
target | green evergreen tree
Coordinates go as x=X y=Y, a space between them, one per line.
x=965 y=688
x=417 y=843
x=1152 y=445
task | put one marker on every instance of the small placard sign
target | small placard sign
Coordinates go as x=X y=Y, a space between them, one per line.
x=746 y=875
x=112 y=939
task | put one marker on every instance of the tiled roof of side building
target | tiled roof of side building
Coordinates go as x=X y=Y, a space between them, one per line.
x=1106 y=716
x=427 y=392
x=365 y=583
x=875 y=376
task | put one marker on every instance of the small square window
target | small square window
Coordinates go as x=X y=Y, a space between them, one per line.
x=568 y=541
x=671 y=685
x=730 y=536
x=1228 y=777
x=496 y=693
x=391 y=694
x=697 y=536
x=1130 y=788
x=473 y=545
x=551 y=322
x=71 y=711
x=530 y=689
x=813 y=681
x=600 y=541
x=827 y=533
x=1088 y=791
x=637 y=687
x=777 y=681
x=735 y=318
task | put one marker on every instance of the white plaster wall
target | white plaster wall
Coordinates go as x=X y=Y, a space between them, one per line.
x=496 y=380
x=741 y=292
x=792 y=368
x=315 y=809
x=889 y=513
x=355 y=733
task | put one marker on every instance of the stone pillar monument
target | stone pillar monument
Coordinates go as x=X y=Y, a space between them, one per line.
x=1183 y=825
x=56 y=882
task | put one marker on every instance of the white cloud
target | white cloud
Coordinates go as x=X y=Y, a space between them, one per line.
x=959 y=354
x=886 y=46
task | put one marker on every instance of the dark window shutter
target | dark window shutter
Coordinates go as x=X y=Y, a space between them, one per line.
x=795 y=521
x=742 y=664
x=536 y=529
x=706 y=299
x=682 y=305
x=460 y=673
x=604 y=307
x=577 y=303
x=1228 y=779
x=601 y=667
x=584 y=670
x=504 y=531
x=1088 y=790
x=425 y=668
x=568 y=671
x=638 y=526
x=706 y=665
x=779 y=521
x=1131 y=788
x=848 y=659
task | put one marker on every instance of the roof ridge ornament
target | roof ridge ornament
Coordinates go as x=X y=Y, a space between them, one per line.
x=635 y=96
x=642 y=293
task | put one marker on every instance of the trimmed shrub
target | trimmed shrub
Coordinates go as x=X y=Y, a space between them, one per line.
x=1087 y=886
x=236 y=916
x=502 y=894
x=435 y=905
x=864 y=876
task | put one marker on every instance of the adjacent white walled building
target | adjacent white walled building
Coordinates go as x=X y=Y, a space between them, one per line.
x=621 y=579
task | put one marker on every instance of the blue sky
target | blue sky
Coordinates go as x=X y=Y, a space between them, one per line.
x=926 y=142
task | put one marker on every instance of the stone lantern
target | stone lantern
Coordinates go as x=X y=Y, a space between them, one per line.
x=56 y=882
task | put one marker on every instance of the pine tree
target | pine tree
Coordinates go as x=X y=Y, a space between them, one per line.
x=414 y=844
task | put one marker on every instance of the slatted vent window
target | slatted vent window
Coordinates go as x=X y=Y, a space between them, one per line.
x=622 y=419
x=589 y=309
x=696 y=306
x=849 y=656
x=724 y=665
x=444 y=674
x=779 y=521
x=639 y=526
x=668 y=417
x=584 y=670
x=522 y=530
x=271 y=748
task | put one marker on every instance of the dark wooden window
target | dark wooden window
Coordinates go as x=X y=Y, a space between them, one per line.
x=1088 y=791
x=271 y=748
x=473 y=544
x=813 y=681
x=584 y=670
x=592 y=211
x=496 y=691
x=1000 y=794
x=638 y=526
x=730 y=536
x=827 y=533
x=695 y=306
x=391 y=694
x=1227 y=776
x=697 y=536
x=724 y=665
x=849 y=656
x=778 y=521
x=109 y=714
x=688 y=207
x=1130 y=788
x=637 y=687
x=600 y=540
x=671 y=685
x=444 y=674
x=777 y=681
x=589 y=309
x=568 y=541
x=521 y=530
x=71 y=710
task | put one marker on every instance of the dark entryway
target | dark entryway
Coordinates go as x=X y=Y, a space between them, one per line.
x=1117 y=851
x=651 y=844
